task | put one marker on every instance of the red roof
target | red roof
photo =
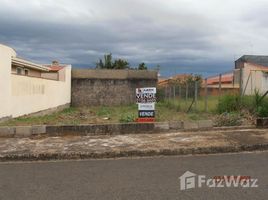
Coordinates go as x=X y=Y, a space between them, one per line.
x=225 y=78
x=54 y=68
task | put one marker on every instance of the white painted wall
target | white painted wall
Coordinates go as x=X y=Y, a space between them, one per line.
x=6 y=54
x=30 y=95
x=21 y=95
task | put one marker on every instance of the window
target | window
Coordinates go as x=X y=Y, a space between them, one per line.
x=19 y=70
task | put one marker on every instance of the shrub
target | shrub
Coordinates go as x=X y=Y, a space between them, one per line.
x=262 y=109
x=228 y=103
x=126 y=118
x=248 y=103
x=228 y=119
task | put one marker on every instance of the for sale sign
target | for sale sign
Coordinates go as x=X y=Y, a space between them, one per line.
x=146 y=98
x=146 y=95
x=146 y=90
x=146 y=106
x=146 y=113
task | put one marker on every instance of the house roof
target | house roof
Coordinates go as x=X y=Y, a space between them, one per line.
x=163 y=82
x=55 y=68
x=225 y=78
x=25 y=63
x=257 y=59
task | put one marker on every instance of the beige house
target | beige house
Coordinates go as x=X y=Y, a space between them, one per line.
x=254 y=72
x=28 y=87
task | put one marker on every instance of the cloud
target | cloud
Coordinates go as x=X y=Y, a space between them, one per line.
x=180 y=35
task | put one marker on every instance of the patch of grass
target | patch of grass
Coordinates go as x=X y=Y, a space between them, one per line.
x=165 y=111
x=194 y=116
x=104 y=111
x=170 y=104
x=126 y=118
x=68 y=111
x=58 y=117
x=183 y=105
x=254 y=104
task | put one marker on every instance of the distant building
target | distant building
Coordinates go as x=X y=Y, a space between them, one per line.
x=254 y=73
x=178 y=77
x=227 y=80
x=228 y=84
x=27 y=87
x=254 y=59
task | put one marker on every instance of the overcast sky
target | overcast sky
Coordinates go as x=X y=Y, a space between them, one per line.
x=182 y=36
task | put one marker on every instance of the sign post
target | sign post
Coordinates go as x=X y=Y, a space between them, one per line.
x=146 y=98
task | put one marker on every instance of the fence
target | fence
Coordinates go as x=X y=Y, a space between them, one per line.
x=193 y=94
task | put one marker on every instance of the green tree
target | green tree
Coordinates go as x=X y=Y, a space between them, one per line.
x=120 y=64
x=100 y=65
x=108 y=63
x=142 y=66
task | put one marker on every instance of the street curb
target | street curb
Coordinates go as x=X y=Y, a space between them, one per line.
x=134 y=153
x=111 y=129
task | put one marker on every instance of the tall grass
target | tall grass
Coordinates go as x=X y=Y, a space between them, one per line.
x=183 y=105
x=254 y=104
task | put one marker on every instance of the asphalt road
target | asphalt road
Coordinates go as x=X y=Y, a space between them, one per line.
x=137 y=178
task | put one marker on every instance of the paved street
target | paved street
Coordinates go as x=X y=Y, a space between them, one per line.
x=137 y=178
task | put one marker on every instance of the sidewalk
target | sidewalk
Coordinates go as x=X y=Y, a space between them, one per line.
x=180 y=143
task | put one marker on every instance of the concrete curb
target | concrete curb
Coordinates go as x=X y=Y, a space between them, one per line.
x=134 y=153
x=111 y=129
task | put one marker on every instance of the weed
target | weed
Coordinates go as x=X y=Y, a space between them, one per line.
x=103 y=111
x=126 y=118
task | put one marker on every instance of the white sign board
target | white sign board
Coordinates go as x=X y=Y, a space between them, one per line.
x=146 y=106
x=146 y=95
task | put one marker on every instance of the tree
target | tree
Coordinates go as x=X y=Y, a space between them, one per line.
x=109 y=64
x=100 y=65
x=108 y=61
x=142 y=66
x=120 y=64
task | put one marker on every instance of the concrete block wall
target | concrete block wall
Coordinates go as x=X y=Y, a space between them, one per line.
x=109 y=87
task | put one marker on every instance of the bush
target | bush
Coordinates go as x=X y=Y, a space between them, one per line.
x=228 y=103
x=252 y=104
x=262 y=109
x=126 y=118
x=248 y=103
x=228 y=119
